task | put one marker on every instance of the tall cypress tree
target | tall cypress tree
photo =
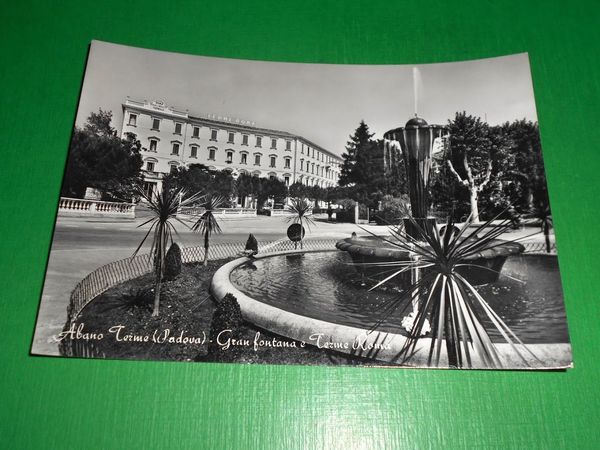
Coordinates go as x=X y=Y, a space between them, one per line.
x=357 y=149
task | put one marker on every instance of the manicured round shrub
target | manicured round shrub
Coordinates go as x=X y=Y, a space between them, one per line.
x=226 y=321
x=251 y=245
x=172 y=262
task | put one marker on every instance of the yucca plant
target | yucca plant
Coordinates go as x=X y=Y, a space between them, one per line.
x=207 y=224
x=449 y=301
x=541 y=212
x=163 y=207
x=299 y=207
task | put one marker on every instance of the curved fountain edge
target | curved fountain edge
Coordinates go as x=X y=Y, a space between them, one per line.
x=301 y=328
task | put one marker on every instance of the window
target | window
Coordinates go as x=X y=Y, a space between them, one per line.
x=302 y=149
x=287 y=181
x=177 y=128
x=211 y=153
x=230 y=137
x=194 y=152
x=156 y=124
x=272 y=177
x=175 y=149
x=245 y=139
x=229 y=157
x=273 y=143
x=287 y=162
x=288 y=145
x=273 y=159
x=312 y=169
x=132 y=120
x=258 y=141
x=173 y=168
x=257 y=160
x=149 y=188
x=301 y=165
x=196 y=132
x=150 y=166
x=153 y=145
x=244 y=158
x=213 y=135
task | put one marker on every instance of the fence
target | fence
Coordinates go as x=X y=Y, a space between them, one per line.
x=539 y=247
x=114 y=273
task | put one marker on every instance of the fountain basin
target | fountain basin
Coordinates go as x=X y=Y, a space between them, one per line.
x=483 y=267
x=303 y=295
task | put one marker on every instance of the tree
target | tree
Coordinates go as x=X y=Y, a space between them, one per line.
x=298 y=189
x=359 y=141
x=199 y=178
x=474 y=146
x=99 y=159
x=245 y=186
x=524 y=166
x=162 y=207
x=207 y=224
x=267 y=188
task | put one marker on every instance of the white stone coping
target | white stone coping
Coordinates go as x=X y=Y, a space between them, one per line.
x=381 y=347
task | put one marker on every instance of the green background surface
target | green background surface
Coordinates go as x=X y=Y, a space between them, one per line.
x=61 y=403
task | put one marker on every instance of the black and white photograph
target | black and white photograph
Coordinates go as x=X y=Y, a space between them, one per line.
x=255 y=212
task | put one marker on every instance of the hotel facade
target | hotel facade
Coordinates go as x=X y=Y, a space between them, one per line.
x=171 y=138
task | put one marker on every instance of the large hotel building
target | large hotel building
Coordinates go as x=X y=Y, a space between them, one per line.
x=171 y=138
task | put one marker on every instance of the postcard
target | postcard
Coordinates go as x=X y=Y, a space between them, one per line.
x=225 y=210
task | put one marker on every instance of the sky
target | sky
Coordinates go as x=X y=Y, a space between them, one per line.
x=321 y=102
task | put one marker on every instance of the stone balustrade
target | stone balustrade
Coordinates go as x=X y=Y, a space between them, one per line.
x=284 y=212
x=193 y=211
x=77 y=207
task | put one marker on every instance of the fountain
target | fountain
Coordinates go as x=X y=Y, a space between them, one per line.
x=321 y=298
x=416 y=141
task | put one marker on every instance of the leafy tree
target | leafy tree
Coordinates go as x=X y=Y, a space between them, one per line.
x=474 y=148
x=298 y=189
x=99 y=159
x=524 y=173
x=245 y=186
x=270 y=188
x=199 y=178
x=207 y=224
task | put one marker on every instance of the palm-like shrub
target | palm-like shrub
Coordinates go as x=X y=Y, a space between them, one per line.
x=299 y=207
x=541 y=212
x=450 y=303
x=163 y=207
x=207 y=224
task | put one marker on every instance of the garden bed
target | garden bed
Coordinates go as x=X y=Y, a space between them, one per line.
x=123 y=315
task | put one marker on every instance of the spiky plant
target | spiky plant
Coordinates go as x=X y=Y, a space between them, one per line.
x=163 y=207
x=541 y=212
x=207 y=224
x=299 y=207
x=445 y=297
